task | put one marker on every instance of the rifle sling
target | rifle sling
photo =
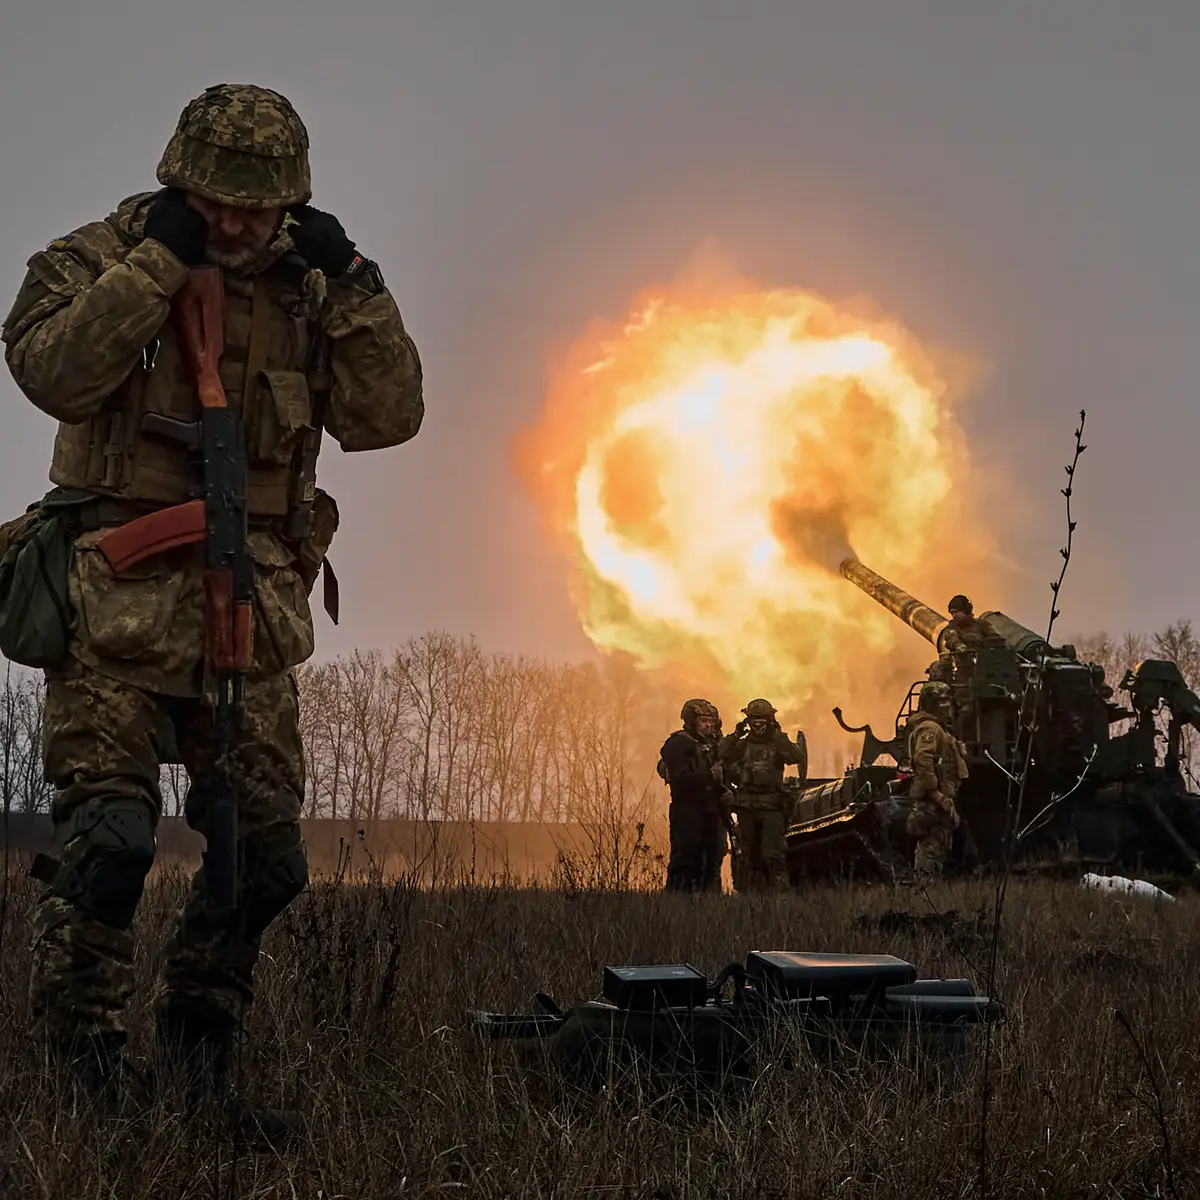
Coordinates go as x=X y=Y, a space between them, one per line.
x=304 y=463
x=330 y=593
x=256 y=354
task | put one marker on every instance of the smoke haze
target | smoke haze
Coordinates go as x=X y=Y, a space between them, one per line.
x=1016 y=183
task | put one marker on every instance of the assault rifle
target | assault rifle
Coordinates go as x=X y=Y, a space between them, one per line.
x=725 y=809
x=218 y=517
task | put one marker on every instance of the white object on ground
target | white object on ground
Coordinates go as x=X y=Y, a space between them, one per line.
x=1118 y=883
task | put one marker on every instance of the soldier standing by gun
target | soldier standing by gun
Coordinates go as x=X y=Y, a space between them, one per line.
x=938 y=768
x=966 y=630
x=752 y=759
x=192 y=345
x=689 y=766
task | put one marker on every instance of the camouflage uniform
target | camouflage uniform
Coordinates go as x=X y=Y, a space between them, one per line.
x=687 y=763
x=966 y=631
x=753 y=765
x=938 y=769
x=89 y=342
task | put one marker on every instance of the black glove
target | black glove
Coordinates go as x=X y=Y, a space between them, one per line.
x=321 y=241
x=173 y=223
x=741 y=727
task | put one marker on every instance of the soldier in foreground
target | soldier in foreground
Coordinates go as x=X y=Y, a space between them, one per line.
x=938 y=768
x=752 y=760
x=689 y=765
x=312 y=341
x=965 y=631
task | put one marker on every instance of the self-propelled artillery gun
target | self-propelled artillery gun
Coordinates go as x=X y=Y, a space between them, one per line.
x=1059 y=768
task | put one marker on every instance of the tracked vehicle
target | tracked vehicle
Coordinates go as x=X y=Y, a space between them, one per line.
x=1049 y=777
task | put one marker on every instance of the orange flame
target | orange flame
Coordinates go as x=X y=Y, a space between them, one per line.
x=710 y=462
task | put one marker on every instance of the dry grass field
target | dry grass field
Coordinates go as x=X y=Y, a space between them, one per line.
x=364 y=992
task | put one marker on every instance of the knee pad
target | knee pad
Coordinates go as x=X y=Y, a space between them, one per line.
x=109 y=852
x=275 y=873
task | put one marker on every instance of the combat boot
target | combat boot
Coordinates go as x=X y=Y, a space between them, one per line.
x=94 y=1067
x=199 y=1055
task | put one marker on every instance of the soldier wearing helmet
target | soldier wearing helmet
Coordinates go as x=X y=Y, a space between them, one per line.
x=753 y=759
x=688 y=763
x=313 y=343
x=966 y=631
x=938 y=769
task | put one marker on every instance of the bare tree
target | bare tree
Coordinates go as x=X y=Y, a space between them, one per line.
x=24 y=785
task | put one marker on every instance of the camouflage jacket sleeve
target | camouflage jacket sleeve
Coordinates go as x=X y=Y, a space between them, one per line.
x=786 y=748
x=85 y=312
x=923 y=751
x=377 y=398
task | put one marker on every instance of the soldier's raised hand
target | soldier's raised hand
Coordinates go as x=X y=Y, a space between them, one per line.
x=321 y=241
x=173 y=223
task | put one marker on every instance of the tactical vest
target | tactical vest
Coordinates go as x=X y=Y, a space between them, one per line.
x=706 y=750
x=761 y=767
x=951 y=767
x=138 y=450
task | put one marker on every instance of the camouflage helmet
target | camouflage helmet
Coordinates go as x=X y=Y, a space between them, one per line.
x=694 y=709
x=241 y=145
x=934 y=694
x=961 y=604
x=759 y=708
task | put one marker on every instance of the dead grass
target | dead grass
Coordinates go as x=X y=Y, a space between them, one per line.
x=364 y=990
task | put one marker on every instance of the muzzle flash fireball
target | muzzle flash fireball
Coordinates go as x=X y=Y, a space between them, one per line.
x=710 y=463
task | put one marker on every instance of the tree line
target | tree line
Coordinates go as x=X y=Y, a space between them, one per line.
x=439 y=729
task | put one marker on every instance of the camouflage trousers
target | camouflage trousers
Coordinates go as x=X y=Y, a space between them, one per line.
x=762 y=847
x=103 y=742
x=933 y=829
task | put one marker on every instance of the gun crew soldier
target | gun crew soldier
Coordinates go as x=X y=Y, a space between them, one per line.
x=753 y=759
x=308 y=338
x=938 y=769
x=966 y=631
x=688 y=764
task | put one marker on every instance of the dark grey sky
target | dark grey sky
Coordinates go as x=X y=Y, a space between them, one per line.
x=1019 y=182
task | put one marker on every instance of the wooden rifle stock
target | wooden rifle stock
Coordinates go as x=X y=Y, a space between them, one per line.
x=198 y=310
x=199 y=316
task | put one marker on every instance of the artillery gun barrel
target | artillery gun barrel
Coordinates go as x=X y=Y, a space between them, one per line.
x=926 y=621
x=929 y=623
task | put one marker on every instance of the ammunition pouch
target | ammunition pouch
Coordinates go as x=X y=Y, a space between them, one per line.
x=36 y=551
x=279 y=414
x=773 y=798
x=108 y=853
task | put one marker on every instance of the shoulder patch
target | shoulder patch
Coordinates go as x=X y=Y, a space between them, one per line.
x=927 y=736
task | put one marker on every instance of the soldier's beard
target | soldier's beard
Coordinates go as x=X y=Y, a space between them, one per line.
x=233 y=258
